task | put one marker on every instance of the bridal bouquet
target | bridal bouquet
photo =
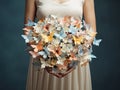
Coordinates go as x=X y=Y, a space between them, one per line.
x=60 y=43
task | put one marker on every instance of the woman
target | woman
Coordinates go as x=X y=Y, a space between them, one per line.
x=78 y=79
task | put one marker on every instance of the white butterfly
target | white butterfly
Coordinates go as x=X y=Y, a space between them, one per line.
x=60 y=62
x=36 y=39
x=96 y=42
x=43 y=54
x=89 y=57
x=44 y=64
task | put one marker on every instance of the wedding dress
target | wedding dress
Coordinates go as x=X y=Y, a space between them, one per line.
x=78 y=79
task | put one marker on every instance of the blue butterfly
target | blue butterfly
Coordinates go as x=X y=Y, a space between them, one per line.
x=46 y=50
x=44 y=53
x=96 y=42
x=28 y=37
x=73 y=30
x=80 y=51
x=30 y=23
x=61 y=34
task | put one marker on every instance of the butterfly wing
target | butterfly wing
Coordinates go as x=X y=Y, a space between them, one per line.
x=80 y=51
x=89 y=57
x=78 y=40
x=26 y=38
x=62 y=34
x=96 y=42
x=44 y=37
x=46 y=51
x=72 y=30
x=42 y=53
x=30 y=23
x=50 y=37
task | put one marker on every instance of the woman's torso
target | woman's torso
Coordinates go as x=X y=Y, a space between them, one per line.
x=67 y=7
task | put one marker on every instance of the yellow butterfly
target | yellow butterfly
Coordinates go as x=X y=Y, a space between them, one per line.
x=78 y=40
x=47 y=38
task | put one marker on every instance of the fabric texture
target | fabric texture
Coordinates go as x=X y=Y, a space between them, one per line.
x=40 y=79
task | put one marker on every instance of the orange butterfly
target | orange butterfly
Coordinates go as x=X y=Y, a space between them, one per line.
x=37 y=47
x=48 y=38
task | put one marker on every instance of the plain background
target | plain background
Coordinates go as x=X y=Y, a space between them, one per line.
x=14 y=61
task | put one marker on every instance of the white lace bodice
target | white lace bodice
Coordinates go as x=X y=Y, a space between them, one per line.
x=69 y=7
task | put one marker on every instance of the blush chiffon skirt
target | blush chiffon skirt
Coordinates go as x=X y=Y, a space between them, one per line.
x=78 y=79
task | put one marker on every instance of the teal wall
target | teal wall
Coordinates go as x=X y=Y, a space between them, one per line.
x=14 y=60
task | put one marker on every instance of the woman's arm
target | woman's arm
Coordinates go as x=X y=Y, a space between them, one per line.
x=89 y=13
x=30 y=11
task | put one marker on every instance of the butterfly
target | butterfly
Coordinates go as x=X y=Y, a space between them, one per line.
x=75 y=21
x=72 y=30
x=37 y=47
x=26 y=29
x=80 y=51
x=89 y=57
x=44 y=53
x=30 y=23
x=91 y=33
x=96 y=42
x=61 y=34
x=78 y=40
x=36 y=39
x=48 y=38
x=28 y=37
x=38 y=28
x=44 y=63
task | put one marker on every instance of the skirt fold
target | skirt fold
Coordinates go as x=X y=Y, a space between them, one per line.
x=40 y=79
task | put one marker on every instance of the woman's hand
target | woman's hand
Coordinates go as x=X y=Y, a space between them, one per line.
x=49 y=70
x=59 y=75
